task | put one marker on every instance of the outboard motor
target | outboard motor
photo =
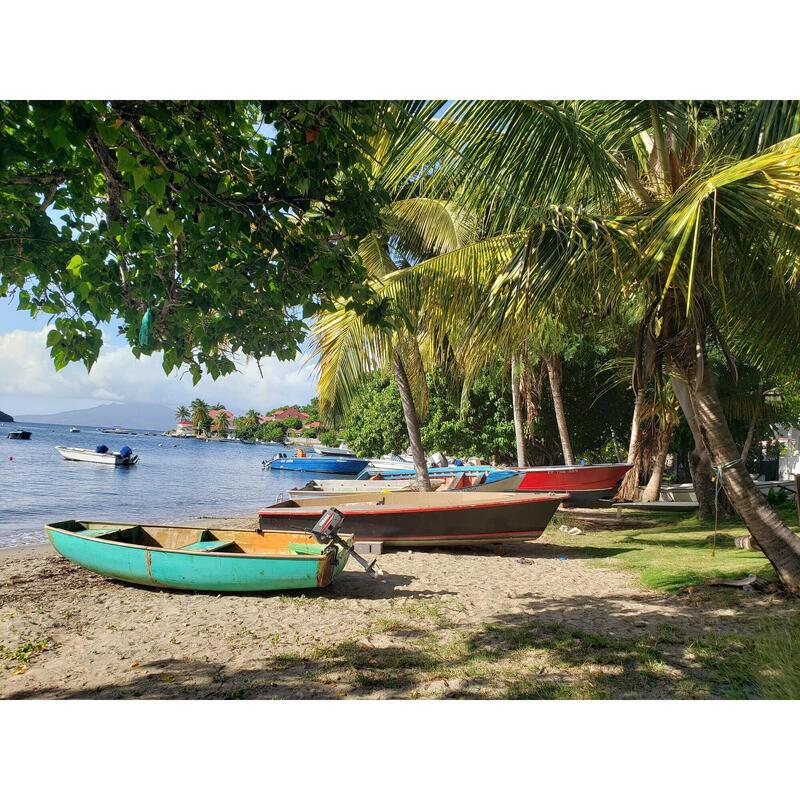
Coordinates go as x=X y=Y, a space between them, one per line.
x=101 y=448
x=438 y=460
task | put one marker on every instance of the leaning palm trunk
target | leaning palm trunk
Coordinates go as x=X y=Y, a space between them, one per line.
x=412 y=422
x=652 y=491
x=699 y=460
x=777 y=541
x=749 y=440
x=554 y=372
x=519 y=427
x=629 y=487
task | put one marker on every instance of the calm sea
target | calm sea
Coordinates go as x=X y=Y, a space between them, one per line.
x=175 y=479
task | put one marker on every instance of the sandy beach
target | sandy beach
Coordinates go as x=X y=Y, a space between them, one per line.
x=79 y=635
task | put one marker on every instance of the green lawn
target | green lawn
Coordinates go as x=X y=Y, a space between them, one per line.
x=676 y=554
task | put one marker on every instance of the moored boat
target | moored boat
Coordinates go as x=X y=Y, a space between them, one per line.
x=340 y=451
x=684 y=492
x=337 y=466
x=424 y=518
x=199 y=559
x=124 y=458
x=74 y=430
x=19 y=434
x=585 y=484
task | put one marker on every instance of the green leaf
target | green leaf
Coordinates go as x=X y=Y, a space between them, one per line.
x=75 y=264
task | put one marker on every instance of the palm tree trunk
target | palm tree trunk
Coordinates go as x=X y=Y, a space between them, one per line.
x=516 y=401
x=652 y=491
x=629 y=487
x=554 y=375
x=412 y=422
x=749 y=440
x=777 y=541
x=699 y=460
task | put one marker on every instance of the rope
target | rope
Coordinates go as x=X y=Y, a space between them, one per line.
x=718 y=470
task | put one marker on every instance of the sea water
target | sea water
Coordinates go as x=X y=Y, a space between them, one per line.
x=175 y=480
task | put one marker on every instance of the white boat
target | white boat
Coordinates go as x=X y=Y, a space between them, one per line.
x=341 y=451
x=123 y=459
x=684 y=492
x=333 y=487
x=391 y=462
x=74 y=430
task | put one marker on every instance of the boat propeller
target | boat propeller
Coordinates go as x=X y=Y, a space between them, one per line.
x=326 y=531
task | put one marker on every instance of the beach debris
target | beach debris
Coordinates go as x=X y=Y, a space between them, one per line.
x=751 y=583
x=573 y=531
x=745 y=543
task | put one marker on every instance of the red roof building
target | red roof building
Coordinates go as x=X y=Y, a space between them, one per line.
x=286 y=413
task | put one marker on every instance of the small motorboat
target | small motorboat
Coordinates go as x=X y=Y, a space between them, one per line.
x=100 y=455
x=424 y=518
x=19 y=434
x=201 y=559
x=337 y=466
x=341 y=451
x=74 y=430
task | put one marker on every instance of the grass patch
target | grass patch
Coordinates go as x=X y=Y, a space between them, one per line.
x=21 y=656
x=678 y=553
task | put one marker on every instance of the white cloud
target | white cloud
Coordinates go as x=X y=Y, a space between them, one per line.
x=26 y=369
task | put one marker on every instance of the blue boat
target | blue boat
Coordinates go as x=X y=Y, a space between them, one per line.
x=336 y=466
x=493 y=474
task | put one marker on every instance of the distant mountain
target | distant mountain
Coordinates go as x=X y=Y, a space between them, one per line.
x=126 y=415
x=6 y=417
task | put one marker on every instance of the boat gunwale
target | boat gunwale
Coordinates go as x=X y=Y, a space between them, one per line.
x=180 y=551
x=515 y=498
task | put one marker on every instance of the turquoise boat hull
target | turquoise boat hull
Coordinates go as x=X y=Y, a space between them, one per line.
x=198 y=559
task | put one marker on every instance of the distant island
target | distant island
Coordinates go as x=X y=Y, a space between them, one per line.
x=150 y=416
x=6 y=417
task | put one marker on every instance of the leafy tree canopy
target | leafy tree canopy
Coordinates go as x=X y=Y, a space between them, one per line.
x=202 y=226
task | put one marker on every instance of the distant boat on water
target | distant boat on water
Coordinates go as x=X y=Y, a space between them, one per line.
x=74 y=430
x=124 y=458
x=121 y=431
x=19 y=434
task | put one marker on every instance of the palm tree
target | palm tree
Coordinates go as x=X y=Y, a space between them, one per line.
x=221 y=423
x=348 y=347
x=181 y=412
x=201 y=419
x=689 y=208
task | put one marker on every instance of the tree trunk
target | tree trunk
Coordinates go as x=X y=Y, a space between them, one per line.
x=554 y=374
x=777 y=541
x=749 y=440
x=629 y=487
x=633 y=444
x=699 y=460
x=652 y=491
x=519 y=428
x=412 y=422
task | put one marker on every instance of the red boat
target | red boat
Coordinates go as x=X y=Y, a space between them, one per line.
x=585 y=484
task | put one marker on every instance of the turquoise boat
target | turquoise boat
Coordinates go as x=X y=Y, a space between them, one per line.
x=200 y=559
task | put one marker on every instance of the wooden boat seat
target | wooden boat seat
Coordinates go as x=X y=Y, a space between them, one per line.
x=307 y=548
x=207 y=546
x=98 y=532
